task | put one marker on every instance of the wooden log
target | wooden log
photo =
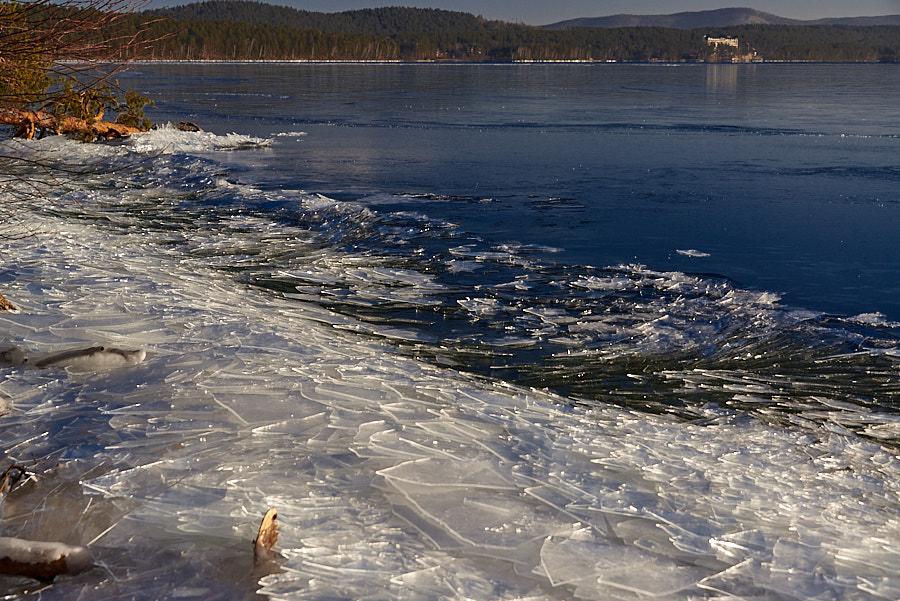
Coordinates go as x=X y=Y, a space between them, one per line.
x=188 y=126
x=266 y=537
x=40 y=560
x=28 y=122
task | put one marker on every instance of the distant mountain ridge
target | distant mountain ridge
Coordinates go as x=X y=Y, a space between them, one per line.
x=722 y=17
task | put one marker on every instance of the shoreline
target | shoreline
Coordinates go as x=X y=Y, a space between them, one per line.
x=498 y=63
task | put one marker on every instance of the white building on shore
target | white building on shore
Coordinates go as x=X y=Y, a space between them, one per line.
x=733 y=42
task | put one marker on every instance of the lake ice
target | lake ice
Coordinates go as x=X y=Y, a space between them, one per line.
x=395 y=477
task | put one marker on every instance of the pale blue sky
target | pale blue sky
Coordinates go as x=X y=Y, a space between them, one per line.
x=542 y=12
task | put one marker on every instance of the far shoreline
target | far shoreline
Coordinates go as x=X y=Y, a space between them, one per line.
x=489 y=63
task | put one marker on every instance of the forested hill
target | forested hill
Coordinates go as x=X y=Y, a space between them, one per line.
x=242 y=30
x=374 y=21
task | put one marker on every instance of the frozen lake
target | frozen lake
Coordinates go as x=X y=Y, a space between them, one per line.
x=478 y=333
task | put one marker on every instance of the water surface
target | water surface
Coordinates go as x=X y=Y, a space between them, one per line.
x=785 y=175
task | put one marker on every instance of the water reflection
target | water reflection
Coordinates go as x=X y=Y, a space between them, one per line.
x=722 y=78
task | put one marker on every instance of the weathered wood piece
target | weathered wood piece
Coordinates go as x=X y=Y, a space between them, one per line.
x=40 y=560
x=29 y=122
x=266 y=537
x=5 y=305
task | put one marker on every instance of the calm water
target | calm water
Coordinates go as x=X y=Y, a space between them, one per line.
x=478 y=332
x=786 y=176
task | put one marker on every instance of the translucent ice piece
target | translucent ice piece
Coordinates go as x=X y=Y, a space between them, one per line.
x=738 y=546
x=742 y=580
x=487 y=518
x=566 y=560
x=886 y=588
x=647 y=535
x=448 y=473
x=795 y=569
x=690 y=538
x=656 y=579
x=431 y=581
x=597 y=564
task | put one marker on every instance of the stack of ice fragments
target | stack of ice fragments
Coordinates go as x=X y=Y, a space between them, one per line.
x=393 y=479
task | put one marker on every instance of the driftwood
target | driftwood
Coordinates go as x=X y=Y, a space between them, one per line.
x=266 y=538
x=188 y=126
x=5 y=305
x=28 y=122
x=39 y=560
x=35 y=559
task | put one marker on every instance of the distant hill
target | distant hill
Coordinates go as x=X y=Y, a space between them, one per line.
x=246 y=30
x=858 y=21
x=723 y=17
x=390 y=21
x=372 y=21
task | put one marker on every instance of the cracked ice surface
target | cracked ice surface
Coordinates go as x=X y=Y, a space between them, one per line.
x=392 y=478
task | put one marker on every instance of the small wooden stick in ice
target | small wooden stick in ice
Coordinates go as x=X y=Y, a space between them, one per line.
x=267 y=537
x=5 y=305
x=43 y=561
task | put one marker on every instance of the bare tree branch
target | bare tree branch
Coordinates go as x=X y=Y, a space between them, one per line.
x=57 y=66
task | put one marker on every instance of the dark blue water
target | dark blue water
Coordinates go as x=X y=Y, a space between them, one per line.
x=786 y=176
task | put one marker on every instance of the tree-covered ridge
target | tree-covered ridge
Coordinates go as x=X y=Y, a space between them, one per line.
x=821 y=43
x=376 y=21
x=241 y=30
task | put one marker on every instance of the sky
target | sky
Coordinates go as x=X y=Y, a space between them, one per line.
x=543 y=12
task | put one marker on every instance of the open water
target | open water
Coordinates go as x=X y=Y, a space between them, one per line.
x=478 y=332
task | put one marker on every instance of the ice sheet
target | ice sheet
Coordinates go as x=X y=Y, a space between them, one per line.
x=398 y=479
